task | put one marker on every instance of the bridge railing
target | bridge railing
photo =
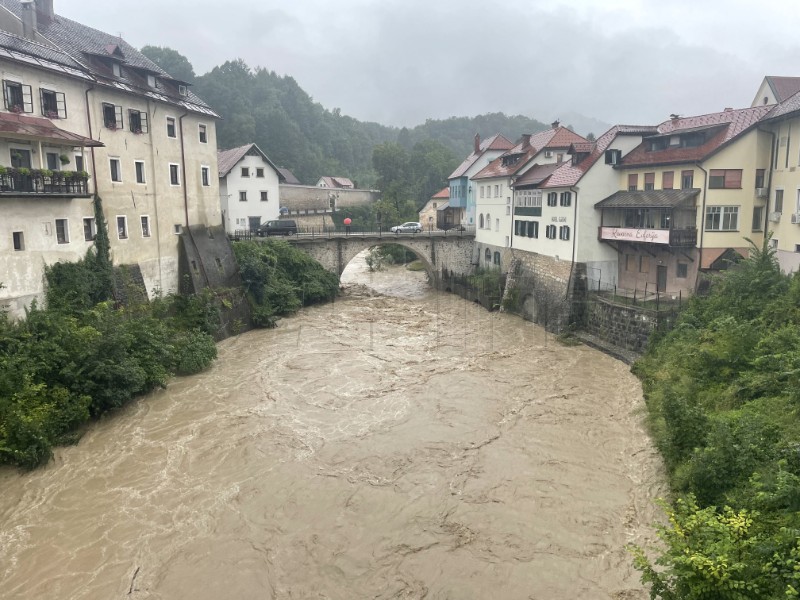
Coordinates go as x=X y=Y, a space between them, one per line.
x=353 y=231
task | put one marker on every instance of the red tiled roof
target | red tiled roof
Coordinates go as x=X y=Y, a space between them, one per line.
x=723 y=127
x=496 y=168
x=36 y=128
x=568 y=174
x=783 y=87
x=496 y=142
x=536 y=174
x=445 y=193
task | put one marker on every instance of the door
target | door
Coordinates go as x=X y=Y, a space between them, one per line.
x=661 y=278
x=255 y=223
x=20 y=159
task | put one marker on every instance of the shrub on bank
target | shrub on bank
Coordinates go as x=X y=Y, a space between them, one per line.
x=722 y=396
x=279 y=279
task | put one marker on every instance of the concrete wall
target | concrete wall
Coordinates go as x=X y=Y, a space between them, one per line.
x=308 y=199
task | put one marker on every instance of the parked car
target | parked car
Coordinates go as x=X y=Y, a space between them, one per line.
x=409 y=227
x=279 y=227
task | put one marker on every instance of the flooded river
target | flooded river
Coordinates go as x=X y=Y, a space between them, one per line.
x=399 y=443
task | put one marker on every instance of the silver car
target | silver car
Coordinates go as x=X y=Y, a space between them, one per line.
x=410 y=227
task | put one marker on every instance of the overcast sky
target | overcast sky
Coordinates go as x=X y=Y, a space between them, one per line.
x=399 y=62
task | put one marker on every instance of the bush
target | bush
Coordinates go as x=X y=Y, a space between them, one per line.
x=195 y=350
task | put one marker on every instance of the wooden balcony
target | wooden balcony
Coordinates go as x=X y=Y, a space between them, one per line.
x=33 y=182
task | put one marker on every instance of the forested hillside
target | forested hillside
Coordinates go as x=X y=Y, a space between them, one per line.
x=257 y=105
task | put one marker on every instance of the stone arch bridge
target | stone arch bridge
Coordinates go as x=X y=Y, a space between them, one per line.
x=437 y=250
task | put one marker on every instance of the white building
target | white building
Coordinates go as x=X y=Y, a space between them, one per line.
x=248 y=187
x=79 y=100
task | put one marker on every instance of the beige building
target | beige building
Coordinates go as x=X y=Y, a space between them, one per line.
x=84 y=112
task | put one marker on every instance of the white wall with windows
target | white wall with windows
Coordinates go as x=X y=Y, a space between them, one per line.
x=249 y=194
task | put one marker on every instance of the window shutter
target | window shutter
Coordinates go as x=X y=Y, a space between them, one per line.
x=61 y=104
x=143 y=120
x=27 y=99
x=118 y=116
x=6 y=100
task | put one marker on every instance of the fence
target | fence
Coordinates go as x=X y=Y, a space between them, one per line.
x=353 y=231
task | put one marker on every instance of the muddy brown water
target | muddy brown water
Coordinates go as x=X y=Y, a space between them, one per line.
x=399 y=443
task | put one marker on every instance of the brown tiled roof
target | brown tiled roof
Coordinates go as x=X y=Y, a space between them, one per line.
x=496 y=142
x=36 y=128
x=723 y=127
x=535 y=175
x=337 y=182
x=788 y=107
x=648 y=199
x=496 y=168
x=288 y=176
x=569 y=174
x=227 y=159
x=445 y=193
x=783 y=87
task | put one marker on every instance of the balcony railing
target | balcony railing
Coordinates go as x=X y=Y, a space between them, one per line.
x=44 y=183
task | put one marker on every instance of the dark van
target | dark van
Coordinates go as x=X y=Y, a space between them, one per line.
x=279 y=227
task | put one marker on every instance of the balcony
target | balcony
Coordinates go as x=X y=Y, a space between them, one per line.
x=674 y=238
x=35 y=182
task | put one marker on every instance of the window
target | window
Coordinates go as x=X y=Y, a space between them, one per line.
x=563 y=232
x=139 y=165
x=122 y=228
x=19 y=241
x=496 y=191
x=497 y=224
x=145 y=226
x=666 y=220
x=116 y=69
x=260 y=173
x=205 y=176
x=728 y=179
x=692 y=140
x=54 y=104
x=760 y=178
x=177 y=229
x=203 y=133
x=62 y=231
x=533 y=229
x=243 y=196
x=488 y=221
x=633 y=182
x=630 y=262
x=116 y=171
x=52 y=160
x=112 y=116
x=480 y=221
x=137 y=121
x=171 y=130
x=758 y=221
x=89 y=229
x=722 y=218
x=687 y=180
x=667 y=178
x=649 y=182
x=552 y=199
x=683 y=270
x=18 y=98
x=151 y=81
x=174 y=174
x=566 y=199
x=497 y=258
x=264 y=196
x=245 y=171
x=613 y=157
x=508 y=211
x=79 y=162
x=488 y=256
x=778 y=201
x=644 y=264
x=550 y=232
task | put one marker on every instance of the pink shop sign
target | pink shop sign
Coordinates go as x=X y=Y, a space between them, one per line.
x=649 y=236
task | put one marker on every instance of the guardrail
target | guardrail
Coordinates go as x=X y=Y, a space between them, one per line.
x=338 y=232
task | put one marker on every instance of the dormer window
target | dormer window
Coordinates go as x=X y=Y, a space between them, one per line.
x=151 y=81
x=692 y=140
x=661 y=143
x=116 y=69
x=183 y=90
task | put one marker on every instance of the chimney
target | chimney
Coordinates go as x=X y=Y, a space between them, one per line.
x=728 y=109
x=477 y=143
x=44 y=12
x=28 y=20
x=555 y=124
x=526 y=140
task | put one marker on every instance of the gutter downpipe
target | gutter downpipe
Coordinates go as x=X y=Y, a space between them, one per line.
x=702 y=220
x=91 y=149
x=574 y=237
x=769 y=185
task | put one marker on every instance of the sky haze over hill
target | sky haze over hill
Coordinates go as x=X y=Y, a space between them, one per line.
x=399 y=62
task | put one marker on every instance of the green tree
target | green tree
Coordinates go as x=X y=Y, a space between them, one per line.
x=172 y=61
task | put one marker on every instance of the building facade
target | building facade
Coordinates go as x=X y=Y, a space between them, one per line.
x=85 y=113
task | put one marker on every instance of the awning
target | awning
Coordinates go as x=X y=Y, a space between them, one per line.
x=42 y=130
x=649 y=199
